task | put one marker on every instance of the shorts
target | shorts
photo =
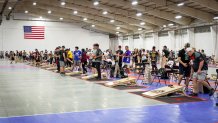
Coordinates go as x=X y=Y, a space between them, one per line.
x=201 y=76
x=185 y=71
x=94 y=64
x=77 y=62
x=127 y=64
x=62 y=63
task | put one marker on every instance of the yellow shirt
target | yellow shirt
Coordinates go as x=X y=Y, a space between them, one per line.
x=70 y=55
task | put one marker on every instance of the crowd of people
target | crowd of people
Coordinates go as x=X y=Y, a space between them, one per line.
x=192 y=64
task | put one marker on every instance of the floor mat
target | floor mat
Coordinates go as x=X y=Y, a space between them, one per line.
x=123 y=87
x=173 y=100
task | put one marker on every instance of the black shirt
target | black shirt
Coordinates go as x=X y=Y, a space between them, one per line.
x=184 y=57
x=197 y=58
x=166 y=53
x=120 y=52
x=61 y=53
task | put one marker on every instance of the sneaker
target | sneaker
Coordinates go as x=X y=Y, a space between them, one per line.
x=193 y=95
x=211 y=92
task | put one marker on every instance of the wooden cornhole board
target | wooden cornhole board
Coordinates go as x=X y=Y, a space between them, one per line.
x=162 y=91
x=68 y=68
x=121 y=81
x=104 y=75
x=73 y=73
x=51 y=68
x=45 y=66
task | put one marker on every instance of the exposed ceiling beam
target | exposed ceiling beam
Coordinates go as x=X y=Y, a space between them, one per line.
x=195 y=13
x=155 y=12
x=94 y=14
x=118 y=13
x=54 y=18
x=62 y=13
x=211 y=4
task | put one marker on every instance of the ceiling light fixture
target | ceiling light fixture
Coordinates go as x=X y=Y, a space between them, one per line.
x=142 y=23
x=139 y=14
x=75 y=12
x=63 y=3
x=40 y=17
x=61 y=18
x=112 y=21
x=85 y=19
x=164 y=25
x=139 y=29
x=117 y=32
x=9 y=8
x=180 y=4
x=171 y=24
x=95 y=3
x=93 y=25
x=26 y=12
x=118 y=27
x=178 y=17
x=49 y=12
x=135 y=2
x=215 y=18
x=104 y=12
x=34 y=3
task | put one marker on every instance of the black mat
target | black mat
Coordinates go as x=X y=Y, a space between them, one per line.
x=173 y=100
x=123 y=87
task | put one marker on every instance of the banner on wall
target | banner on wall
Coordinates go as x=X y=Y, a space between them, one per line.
x=34 y=32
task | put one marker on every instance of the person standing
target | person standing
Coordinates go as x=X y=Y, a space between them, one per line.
x=126 y=58
x=118 y=61
x=199 y=68
x=62 y=60
x=84 y=61
x=77 y=58
x=165 y=55
x=184 y=67
x=98 y=59
x=154 y=57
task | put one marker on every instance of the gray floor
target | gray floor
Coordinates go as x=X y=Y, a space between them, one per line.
x=26 y=90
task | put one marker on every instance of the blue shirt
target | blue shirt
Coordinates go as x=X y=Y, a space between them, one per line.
x=77 y=55
x=127 y=59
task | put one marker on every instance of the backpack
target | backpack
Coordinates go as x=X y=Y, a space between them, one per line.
x=163 y=73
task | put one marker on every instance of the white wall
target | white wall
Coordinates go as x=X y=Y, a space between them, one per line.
x=204 y=41
x=176 y=42
x=56 y=34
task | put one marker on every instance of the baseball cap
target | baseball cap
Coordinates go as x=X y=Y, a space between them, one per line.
x=188 y=49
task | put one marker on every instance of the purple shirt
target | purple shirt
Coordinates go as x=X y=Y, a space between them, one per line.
x=127 y=59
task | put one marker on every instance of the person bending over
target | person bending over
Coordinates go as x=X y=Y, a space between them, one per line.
x=69 y=58
x=199 y=68
x=77 y=58
x=184 y=66
x=98 y=59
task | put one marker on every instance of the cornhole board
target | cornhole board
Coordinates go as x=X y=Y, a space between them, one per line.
x=68 y=68
x=104 y=75
x=51 y=68
x=121 y=81
x=163 y=91
x=73 y=73
x=45 y=66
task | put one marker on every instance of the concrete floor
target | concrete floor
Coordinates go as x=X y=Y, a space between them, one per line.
x=33 y=95
x=26 y=90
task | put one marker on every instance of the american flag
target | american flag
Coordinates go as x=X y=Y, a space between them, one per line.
x=34 y=32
